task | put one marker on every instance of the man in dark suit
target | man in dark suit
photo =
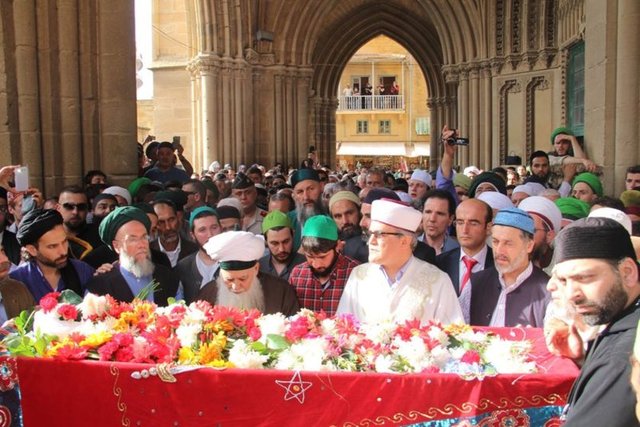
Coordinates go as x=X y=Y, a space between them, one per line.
x=169 y=240
x=473 y=225
x=126 y=231
x=356 y=247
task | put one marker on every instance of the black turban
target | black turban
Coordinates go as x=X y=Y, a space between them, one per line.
x=177 y=197
x=380 y=193
x=241 y=182
x=491 y=178
x=36 y=223
x=119 y=217
x=600 y=238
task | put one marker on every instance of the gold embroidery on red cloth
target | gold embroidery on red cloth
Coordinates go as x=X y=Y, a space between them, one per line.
x=117 y=391
x=465 y=408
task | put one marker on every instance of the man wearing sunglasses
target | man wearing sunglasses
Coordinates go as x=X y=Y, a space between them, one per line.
x=73 y=205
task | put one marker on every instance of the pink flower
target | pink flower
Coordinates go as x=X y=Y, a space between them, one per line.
x=71 y=352
x=298 y=329
x=68 y=311
x=471 y=356
x=49 y=301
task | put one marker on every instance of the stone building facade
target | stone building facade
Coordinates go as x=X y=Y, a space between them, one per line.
x=259 y=78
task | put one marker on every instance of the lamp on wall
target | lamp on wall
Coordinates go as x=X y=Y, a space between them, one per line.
x=262 y=35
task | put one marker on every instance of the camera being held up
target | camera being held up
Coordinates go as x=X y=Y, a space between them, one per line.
x=454 y=140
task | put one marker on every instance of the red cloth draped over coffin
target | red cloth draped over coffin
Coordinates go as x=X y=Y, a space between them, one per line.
x=112 y=394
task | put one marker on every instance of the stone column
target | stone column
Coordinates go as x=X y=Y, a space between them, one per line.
x=485 y=118
x=463 y=113
x=627 y=90
x=473 y=131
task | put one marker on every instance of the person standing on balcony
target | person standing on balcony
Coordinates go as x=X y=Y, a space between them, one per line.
x=395 y=91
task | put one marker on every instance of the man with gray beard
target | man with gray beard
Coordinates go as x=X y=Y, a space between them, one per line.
x=307 y=193
x=126 y=231
x=240 y=283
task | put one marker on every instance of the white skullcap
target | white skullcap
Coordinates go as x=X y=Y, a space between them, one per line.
x=545 y=209
x=214 y=166
x=522 y=189
x=471 y=169
x=238 y=246
x=423 y=176
x=395 y=214
x=233 y=202
x=615 y=215
x=495 y=200
x=119 y=191
x=404 y=197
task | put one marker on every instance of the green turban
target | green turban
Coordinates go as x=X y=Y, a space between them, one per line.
x=135 y=185
x=591 y=180
x=572 y=208
x=462 y=180
x=119 y=217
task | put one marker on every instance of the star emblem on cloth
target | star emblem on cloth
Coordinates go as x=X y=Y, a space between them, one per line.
x=295 y=387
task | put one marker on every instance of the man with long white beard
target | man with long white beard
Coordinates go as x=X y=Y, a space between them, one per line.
x=126 y=231
x=240 y=284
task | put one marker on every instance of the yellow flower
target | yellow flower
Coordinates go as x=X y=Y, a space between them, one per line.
x=97 y=339
x=186 y=356
x=455 y=329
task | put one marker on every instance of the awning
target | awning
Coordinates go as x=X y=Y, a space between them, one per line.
x=383 y=149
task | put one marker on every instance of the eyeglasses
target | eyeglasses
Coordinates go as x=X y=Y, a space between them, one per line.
x=78 y=206
x=380 y=234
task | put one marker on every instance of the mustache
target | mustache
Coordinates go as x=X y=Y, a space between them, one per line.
x=5 y=265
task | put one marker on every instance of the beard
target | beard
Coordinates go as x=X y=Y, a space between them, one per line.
x=610 y=306
x=517 y=262
x=253 y=298
x=137 y=268
x=325 y=271
x=58 y=263
x=349 y=230
x=75 y=224
x=305 y=212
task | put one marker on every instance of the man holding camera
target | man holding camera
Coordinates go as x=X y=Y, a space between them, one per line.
x=164 y=170
x=445 y=173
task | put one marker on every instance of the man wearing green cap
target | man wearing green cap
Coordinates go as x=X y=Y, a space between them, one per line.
x=320 y=281
x=566 y=151
x=197 y=269
x=586 y=187
x=278 y=233
x=126 y=231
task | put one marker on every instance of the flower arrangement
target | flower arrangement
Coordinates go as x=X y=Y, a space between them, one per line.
x=68 y=327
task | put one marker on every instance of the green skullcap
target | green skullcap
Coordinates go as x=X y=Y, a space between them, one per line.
x=572 y=208
x=198 y=211
x=303 y=175
x=320 y=226
x=560 y=131
x=110 y=225
x=591 y=180
x=135 y=185
x=275 y=219
x=462 y=180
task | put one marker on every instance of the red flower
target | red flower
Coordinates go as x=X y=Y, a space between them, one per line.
x=471 y=356
x=297 y=329
x=68 y=311
x=49 y=301
x=431 y=370
x=71 y=352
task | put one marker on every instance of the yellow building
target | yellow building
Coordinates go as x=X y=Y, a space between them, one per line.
x=382 y=115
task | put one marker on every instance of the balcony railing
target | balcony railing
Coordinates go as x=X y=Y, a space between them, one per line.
x=370 y=102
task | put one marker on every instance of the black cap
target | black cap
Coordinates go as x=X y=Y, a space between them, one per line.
x=241 y=182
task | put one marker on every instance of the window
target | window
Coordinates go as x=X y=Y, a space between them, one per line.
x=362 y=126
x=575 y=89
x=384 y=126
x=423 y=126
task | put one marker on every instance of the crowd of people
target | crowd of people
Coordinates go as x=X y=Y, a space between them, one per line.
x=539 y=245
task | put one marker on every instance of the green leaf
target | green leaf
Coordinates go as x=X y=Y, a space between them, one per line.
x=69 y=297
x=277 y=342
x=259 y=347
x=147 y=290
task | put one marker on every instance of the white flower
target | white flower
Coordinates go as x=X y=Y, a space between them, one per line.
x=380 y=332
x=509 y=357
x=439 y=335
x=93 y=305
x=139 y=348
x=415 y=352
x=87 y=328
x=271 y=324
x=328 y=327
x=242 y=356
x=384 y=363
x=50 y=324
x=306 y=355
x=188 y=333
